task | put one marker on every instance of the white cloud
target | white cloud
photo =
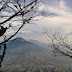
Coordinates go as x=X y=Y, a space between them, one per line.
x=62 y=5
x=63 y=18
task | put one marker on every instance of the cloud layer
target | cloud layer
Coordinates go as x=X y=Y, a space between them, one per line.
x=62 y=15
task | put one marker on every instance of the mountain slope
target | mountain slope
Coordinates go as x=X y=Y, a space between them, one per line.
x=24 y=53
x=20 y=51
x=21 y=46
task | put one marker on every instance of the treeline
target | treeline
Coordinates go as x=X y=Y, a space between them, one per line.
x=38 y=69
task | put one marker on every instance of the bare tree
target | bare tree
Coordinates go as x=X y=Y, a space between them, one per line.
x=15 y=13
x=60 y=42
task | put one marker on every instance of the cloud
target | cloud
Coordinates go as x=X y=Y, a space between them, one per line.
x=62 y=16
x=60 y=9
x=62 y=5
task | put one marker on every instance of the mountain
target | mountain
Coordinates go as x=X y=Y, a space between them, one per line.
x=41 y=44
x=21 y=46
x=21 y=53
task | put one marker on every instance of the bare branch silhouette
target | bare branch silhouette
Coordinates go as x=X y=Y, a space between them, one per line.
x=59 y=42
x=12 y=11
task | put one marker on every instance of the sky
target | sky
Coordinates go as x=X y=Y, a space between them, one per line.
x=61 y=16
x=55 y=14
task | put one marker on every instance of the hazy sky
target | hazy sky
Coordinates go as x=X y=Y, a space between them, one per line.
x=61 y=17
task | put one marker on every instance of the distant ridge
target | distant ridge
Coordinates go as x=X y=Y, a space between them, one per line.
x=20 y=44
x=21 y=52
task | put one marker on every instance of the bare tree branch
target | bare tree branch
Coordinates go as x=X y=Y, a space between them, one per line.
x=59 y=42
x=15 y=13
